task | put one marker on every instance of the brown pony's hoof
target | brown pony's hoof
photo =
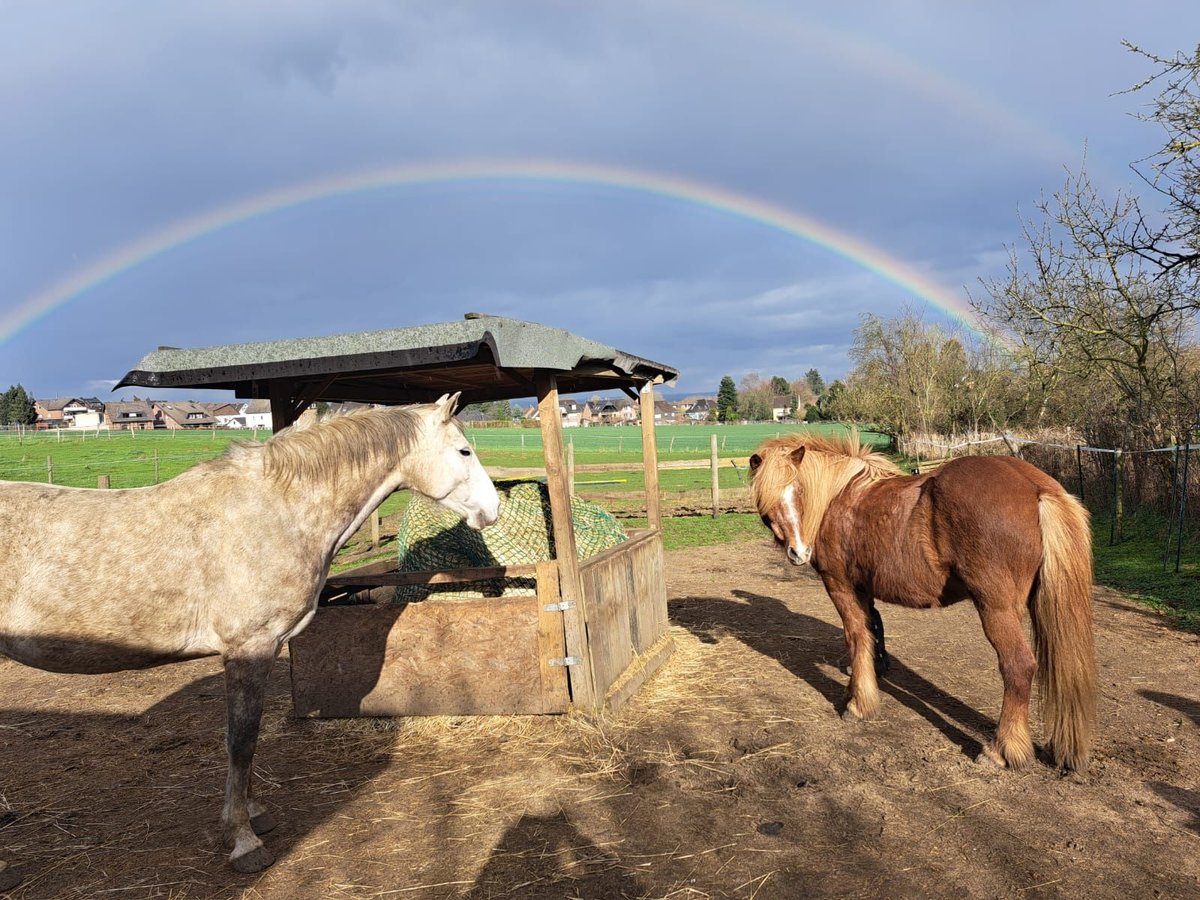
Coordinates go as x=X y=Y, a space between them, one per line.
x=263 y=822
x=252 y=861
x=991 y=757
x=9 y=878
x=849 y=715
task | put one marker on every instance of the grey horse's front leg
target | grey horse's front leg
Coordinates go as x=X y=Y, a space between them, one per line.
x=245 y=685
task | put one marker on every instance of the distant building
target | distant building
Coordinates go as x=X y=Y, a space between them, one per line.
x=127 y=415
x=183 y=415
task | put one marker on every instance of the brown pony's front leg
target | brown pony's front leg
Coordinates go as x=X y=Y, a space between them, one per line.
x=863 y=692
x=242 y=817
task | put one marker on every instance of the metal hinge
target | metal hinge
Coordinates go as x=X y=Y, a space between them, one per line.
x=567 y=661
x=559 y=607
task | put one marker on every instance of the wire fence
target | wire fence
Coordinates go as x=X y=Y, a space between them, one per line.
x=1153 y=493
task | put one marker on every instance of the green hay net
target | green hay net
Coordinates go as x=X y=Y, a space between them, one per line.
x=432 y=538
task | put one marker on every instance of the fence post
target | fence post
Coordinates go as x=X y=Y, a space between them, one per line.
x=1118 y=512
x=1079 y=463
x=1183 y=499
x=102 y=482
x=1173 y=499
x=156 y=465
x=716 y=481
x=571 y=467
x=375 y=529
x=49 y=470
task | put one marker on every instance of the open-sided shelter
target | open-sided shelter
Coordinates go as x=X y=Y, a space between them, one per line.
x=594 y=631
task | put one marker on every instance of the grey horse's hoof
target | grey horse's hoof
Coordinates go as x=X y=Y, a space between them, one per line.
x=263 y=822
x=9 y=877
x=252 y=860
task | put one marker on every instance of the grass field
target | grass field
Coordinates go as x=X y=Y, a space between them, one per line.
x=130 y=458
x=1134 y=566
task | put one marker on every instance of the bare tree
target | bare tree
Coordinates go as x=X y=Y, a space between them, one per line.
x=1089 y=308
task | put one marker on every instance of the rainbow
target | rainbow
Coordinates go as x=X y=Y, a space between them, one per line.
x=857 y=251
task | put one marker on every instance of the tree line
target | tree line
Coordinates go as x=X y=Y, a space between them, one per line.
x=756 y=398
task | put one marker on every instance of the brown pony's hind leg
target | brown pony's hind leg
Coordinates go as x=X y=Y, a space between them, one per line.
x=1013 y=745
x=863 y=692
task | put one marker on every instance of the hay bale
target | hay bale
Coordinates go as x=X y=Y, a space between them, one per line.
x=431 y=538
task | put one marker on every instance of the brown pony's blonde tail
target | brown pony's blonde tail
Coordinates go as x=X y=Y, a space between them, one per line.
x=1061 y=610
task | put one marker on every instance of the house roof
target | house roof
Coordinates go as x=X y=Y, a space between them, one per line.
x=485 y=357
x=186 y=412
x=128 y=411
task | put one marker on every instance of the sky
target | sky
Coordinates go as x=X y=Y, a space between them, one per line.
x=724 y=187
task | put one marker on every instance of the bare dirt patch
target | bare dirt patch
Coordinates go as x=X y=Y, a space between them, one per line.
x=729 y=775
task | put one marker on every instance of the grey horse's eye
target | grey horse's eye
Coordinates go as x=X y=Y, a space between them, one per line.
x=465 y=451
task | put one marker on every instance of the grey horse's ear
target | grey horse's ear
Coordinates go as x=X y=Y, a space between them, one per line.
x=798 y=455
x=449 y=403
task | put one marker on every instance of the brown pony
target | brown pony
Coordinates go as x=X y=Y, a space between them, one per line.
x=994 y=529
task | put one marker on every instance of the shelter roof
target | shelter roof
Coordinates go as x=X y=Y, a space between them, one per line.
x=485 y=357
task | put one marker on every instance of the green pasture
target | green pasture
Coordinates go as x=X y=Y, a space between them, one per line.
x=1134 y=566
x=129 y=457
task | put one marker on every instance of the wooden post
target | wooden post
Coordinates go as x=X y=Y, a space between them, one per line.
x=375 y=529
x=1118 y=521
x=156 y=465
x=281 y=404
x=650 y=459
x=571 y=466
x=583 y=687
x=102 y=482
x=716 y=480
x=49 y=470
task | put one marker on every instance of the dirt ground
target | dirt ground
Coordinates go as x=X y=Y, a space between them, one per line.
x=729 y=775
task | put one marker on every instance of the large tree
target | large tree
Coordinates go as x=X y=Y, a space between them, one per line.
x=17 y=407
x=727 y=400
x=1104 y=331
x=815 y=382
x=1174 y=171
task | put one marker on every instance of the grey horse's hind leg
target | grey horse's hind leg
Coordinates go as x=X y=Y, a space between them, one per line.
x=245 y=685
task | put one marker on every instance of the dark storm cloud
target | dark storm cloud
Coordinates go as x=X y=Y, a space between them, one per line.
x=921 y=130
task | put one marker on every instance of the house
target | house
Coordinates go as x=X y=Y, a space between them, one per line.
x=257 y=414
x=574 y=414
x=571 y=411
x=664 y=412
x=224 y=414
x=781 y=407
x=129 y=415
x=183 y=415
x=701 y=409
x=69 y=412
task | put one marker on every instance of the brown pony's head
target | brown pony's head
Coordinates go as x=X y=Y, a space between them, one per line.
x=795 y=477
x=775 y=485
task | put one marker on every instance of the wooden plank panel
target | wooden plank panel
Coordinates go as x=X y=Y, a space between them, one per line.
x=466 y=657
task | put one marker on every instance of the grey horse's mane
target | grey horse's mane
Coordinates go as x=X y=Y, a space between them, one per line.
x=353 y=440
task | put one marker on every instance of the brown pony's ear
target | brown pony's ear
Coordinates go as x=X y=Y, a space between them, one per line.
x=755 y=462
x=797 y=455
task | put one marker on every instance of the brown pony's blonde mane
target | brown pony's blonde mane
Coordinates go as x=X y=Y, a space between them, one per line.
x=830 y=464
x=350 y=441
